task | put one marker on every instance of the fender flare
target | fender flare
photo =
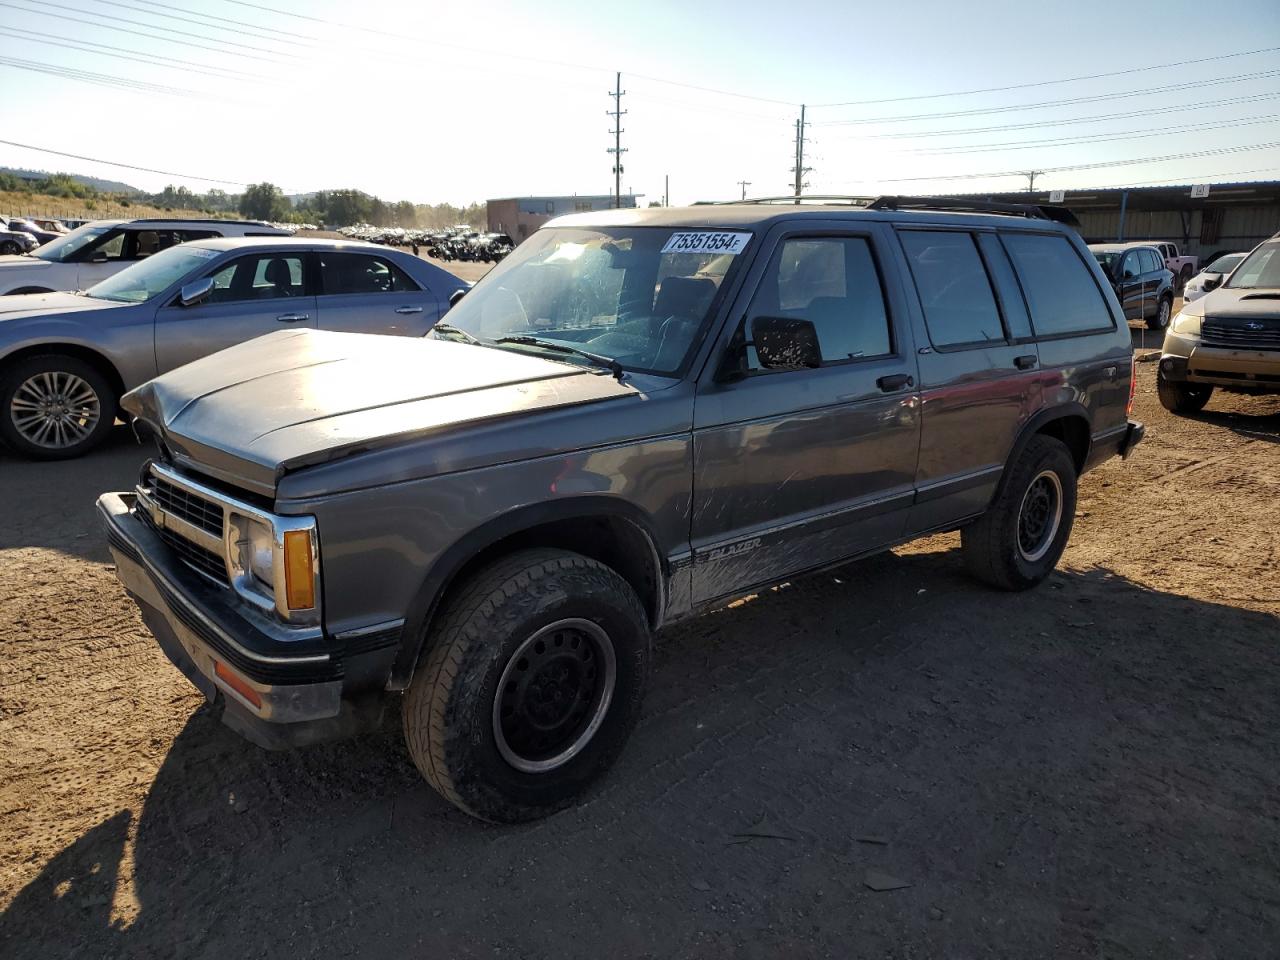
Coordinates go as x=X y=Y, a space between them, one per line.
x=444 y=571
x=1033 y=426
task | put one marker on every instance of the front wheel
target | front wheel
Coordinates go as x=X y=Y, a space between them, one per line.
x=534 y=681
x=1182 y=398
x=1161 y=319
x=10 y=248
x=1019 y=540
x=55 y=407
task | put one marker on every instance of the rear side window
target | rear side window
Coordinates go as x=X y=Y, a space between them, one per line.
x=1150 y=262
x=833 y=283
x=1060 y=290
x=955 y=291
x=355 y=273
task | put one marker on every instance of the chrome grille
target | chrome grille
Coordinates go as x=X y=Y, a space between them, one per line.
x=1236 y=333
x=193 y=555
x=188 y=506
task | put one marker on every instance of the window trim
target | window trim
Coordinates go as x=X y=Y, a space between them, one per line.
x=235 y=258
x=1089 y=268
x=738 y=340
x=972 y=232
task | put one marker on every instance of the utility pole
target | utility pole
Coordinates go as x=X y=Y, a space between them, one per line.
x=666 y=190
x=617 y=149
x=800 y=169
x=744 y=184
x=1031 y=179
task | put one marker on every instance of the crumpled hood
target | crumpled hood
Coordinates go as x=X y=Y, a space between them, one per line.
x=253 y=412
x=17 y=306
x=1236 y=303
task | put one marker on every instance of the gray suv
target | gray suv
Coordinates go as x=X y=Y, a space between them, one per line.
x=635 y=417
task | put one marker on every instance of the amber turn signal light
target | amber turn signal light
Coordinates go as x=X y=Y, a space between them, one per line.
x=299 y=579
x=237 y=683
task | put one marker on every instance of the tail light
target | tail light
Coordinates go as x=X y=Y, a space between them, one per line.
x=1133 y=385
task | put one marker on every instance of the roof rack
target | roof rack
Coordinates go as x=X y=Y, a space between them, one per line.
x=1035 y=211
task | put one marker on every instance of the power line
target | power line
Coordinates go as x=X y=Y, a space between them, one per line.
x=98 y=79
x=1153 y=111
x=238 y=23
x=1197 y=178
x=1047 y=83
x=238 y=28
x=1095 y=138
x=125 y=166
x=138 y=33
x=1218 y=151
x=123 y=53
x=1011 y=108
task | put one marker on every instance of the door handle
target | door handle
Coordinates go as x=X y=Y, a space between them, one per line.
x=895 y=381
x=408 y=309
x=293 y=317
x=1025 y=362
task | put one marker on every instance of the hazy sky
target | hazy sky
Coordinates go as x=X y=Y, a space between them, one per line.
x=444 y=101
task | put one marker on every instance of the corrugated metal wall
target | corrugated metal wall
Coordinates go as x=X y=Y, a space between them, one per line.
x=1244 y=226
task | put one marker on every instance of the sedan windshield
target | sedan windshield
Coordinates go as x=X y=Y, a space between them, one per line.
x=64 y=247
x=1260 y=269
x=635 y=295
x=154 y=275
x=1108 y=258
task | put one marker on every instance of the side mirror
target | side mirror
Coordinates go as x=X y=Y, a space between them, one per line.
x=456 y=296
x=784 y=343
x=195 y=291
x=98 y=257
x=1212 y=282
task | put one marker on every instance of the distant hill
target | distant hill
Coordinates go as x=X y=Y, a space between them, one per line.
x=106 y=186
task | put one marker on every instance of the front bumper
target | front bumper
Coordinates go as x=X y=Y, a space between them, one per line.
x=1188 y=360
x=298 y=683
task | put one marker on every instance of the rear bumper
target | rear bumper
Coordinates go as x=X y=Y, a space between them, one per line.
x=1132 y=437
x=298 y=685
x=1118 y=441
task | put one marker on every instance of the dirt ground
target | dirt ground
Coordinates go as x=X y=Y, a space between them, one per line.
x=1089 y=769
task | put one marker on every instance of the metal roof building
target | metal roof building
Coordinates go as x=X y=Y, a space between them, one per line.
x=1202 y=220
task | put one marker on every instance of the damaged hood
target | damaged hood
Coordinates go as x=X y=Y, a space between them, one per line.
x=256 y=411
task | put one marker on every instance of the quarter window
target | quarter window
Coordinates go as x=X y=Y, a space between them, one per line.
x=1060 y=290
x=833 y=283
x=355 y=273
x=955 y=291
x=1150 y=262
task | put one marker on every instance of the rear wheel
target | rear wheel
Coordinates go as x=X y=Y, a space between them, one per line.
x=10 y=248
x=532 y=686
x=1020 y=538
x=1182 y=398
x=1161 y=320
x=55 y=407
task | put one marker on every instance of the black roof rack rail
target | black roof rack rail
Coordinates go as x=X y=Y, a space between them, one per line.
x=1035 y=211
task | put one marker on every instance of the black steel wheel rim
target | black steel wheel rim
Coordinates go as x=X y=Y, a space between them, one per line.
x=553 y=695
x=1040 y=515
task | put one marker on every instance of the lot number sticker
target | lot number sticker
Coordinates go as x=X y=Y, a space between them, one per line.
x=706 y=242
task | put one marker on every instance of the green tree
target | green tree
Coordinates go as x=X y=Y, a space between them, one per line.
x=263 y=201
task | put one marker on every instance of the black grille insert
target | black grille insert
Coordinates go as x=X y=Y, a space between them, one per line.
x=197 y=557
x=191 y=507
x=1249 y=334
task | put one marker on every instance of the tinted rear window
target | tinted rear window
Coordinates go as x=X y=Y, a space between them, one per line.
x=955 y=292
x=1060 y=290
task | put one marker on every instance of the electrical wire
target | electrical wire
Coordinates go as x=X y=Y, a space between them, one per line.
x=125 y=166
x=237 y=29
x=123 y=53
x=1167 y=64
x=98 y=79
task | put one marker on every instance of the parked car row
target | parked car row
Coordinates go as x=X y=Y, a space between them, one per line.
x=455 y=243
x=67 y=358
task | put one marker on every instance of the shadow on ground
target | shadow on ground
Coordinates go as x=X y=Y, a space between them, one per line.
x=1027 y=763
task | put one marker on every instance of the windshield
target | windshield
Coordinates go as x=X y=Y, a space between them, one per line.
x=1108 y=258
x=638 y=295
x=61 y=248
x=1260 y=269
x=1225 y=264
x=154 y=275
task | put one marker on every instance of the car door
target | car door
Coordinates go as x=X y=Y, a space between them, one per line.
x=253 y=294
x=978 y=368
x=1130 y=286
x=1152 y=280
x=364 y=293
x=798 y=468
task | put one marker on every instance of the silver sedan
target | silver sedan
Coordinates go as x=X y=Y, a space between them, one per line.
x=66 y=358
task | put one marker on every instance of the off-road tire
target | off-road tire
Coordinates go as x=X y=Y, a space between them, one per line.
x=1182 y=398
x=449 y=708
x=1164 y=311
x=13 y=376
x=990 y=545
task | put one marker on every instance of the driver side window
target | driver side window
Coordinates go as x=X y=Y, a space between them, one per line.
x=267 y=276
x=833 y=283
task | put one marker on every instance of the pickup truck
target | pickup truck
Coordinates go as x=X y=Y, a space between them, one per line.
x=1183 y=268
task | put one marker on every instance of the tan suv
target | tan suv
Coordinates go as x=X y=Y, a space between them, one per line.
x=1229 y=338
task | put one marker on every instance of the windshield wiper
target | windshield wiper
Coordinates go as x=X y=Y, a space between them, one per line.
x=608 y=363
x=449 y=329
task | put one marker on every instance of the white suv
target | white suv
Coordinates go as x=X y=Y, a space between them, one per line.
x=97 y=250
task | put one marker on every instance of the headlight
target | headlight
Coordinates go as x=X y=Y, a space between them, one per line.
x=256 y=552
x=1187 y=324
